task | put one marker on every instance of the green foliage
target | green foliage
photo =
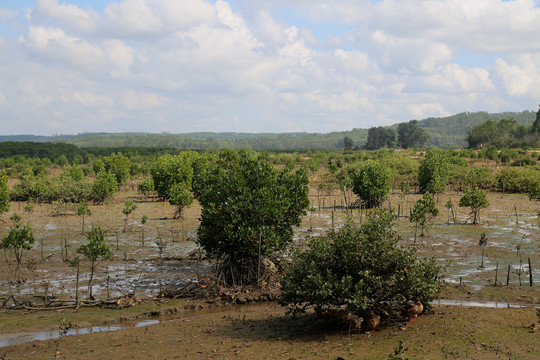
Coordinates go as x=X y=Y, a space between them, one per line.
x=119 y=165
x=523 y=160
x=4 y=193
x=403 y=168
x=433 y=171
x=180 y=196
x=248 y=208
x=83 y=210
x=29 y=186
x=74 y=172
x=489 y=152
x=95 y=251
x=476 y=200
x=358 y=269
x=104 y=187
x=399 y=352
x=506 y=154
x=146 y=186
x=372 y=182
x=534 y=191
x=481 y=177
x=19 y=240
x=348 y=143
x=517 y=180
x=169 y=170
x=129 y=207
x=410 y=135
x=379 y=137
x=422 y=212
x=498 y=134
x=535 y=129
x=68 y=187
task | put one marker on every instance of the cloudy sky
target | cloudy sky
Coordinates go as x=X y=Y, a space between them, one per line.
x=177 y=66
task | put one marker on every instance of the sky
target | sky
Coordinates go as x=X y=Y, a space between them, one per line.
x=178 y=66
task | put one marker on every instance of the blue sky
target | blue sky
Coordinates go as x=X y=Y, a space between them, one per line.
x=261 y=66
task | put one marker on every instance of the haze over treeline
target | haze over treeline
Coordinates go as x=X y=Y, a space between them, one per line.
x=447 y=132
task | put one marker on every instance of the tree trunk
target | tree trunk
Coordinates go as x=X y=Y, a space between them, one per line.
x=90 y=281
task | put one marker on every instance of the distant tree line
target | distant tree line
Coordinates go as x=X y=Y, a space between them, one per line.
x=504 y=133
x=409 y=135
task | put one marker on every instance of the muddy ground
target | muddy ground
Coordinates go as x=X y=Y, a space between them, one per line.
x=263 y=330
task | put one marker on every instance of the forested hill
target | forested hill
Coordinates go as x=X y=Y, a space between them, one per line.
x=451 y=131
x=448 y=132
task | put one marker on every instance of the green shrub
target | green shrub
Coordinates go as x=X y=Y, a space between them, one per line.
x=249 y=209
x=433 y=171
x=4 y=193
x=480 y=177
x=359 y=269
x=104 y=187
x=372 y=182
x=475 y=199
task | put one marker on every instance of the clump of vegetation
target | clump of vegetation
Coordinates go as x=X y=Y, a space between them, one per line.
x=83 y=211
x=359 y=269
x=433 y=171
x=129 y=207
x=475 y=199
x=173 y=179
x=248 y=211
x=424 y=210
x=372 y=182
x=4 y=193
x=104 y=187
x=95 y=251
x=19 y=240
x=483 y=243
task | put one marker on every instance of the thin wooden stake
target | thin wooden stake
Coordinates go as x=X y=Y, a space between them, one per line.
x=496 y=272
x=530 y=273
x=77 y=284
x=508 y=275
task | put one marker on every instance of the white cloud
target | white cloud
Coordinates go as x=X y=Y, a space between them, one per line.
x=307 y=65
x=120 y=54
x=142 y=100
x=420 y=111
x=89 y=99
x=409 y=55
x=66 y=14
x=55 y=43
x=456 y=79
x=522 y=77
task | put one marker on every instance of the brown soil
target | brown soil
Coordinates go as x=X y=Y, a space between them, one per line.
x=263 y=331
x=199 y=330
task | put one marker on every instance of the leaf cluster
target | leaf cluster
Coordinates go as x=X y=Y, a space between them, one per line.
x=95 y=249
x=248 y=206
x=372 y=182
x=359 y=268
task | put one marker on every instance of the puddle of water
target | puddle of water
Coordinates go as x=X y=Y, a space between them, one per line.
x=482 y=304
x=17 y=339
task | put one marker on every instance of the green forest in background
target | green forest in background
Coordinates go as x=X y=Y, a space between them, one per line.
x=444 y=132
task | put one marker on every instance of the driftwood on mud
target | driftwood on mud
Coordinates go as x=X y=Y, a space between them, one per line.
x=39 y=303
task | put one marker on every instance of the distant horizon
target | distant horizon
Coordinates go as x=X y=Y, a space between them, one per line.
x=250 y=66
x=251 y=133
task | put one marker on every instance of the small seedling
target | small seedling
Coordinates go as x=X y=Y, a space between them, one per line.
x=19 y=240
x=129 y=207
x=483 y=243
